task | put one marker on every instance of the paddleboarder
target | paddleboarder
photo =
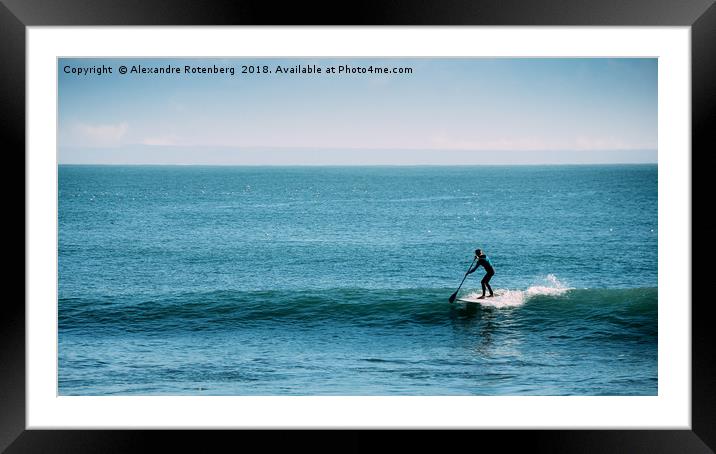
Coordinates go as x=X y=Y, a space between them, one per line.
x=483 y=260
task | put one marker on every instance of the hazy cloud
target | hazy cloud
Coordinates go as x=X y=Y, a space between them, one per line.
x=82 y=134
x=162 y=141
x=441 y=141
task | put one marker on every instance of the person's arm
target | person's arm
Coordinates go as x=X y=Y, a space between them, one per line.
x=474 y=267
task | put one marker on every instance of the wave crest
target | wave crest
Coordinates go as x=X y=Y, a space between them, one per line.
x=511 y=298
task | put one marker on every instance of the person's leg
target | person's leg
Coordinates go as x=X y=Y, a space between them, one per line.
x=487 y=283
x=483 y=282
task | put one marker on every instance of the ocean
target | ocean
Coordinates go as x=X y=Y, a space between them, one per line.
x=193 y=280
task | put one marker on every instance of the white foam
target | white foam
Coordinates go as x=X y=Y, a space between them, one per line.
x=512 y=298
x=504 y=298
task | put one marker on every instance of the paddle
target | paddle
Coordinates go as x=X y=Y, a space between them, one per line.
x=454 y=295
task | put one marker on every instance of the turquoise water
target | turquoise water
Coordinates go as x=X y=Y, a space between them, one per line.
x=335 y=280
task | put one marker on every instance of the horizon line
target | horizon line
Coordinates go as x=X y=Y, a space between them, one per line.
x=356 y=165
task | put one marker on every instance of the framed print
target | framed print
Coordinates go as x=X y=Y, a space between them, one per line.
x=250 y=224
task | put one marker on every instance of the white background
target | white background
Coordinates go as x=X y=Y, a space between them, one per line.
x=670 y=409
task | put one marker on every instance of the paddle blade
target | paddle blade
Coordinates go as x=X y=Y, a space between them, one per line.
x=453 y=296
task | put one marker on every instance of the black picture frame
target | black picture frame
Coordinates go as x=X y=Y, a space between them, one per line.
x=16 y=15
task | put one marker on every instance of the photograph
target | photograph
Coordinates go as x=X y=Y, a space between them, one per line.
x=358 y=226
x=469 y=220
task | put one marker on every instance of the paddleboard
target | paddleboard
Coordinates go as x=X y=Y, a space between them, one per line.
x=476 y=300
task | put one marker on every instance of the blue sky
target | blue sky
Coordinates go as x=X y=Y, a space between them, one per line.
x=448 y=111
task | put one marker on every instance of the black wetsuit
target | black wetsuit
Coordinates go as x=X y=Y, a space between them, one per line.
x=489 y=272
